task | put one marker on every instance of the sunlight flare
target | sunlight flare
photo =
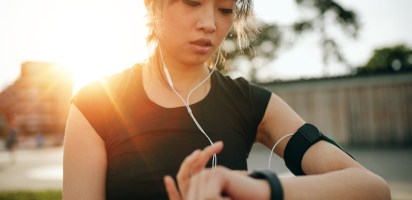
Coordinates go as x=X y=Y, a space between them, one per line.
x=91 y=38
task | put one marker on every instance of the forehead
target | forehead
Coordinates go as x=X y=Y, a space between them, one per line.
x=172 y=1
x=151 y=5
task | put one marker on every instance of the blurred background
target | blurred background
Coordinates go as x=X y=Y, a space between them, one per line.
x=343 y=65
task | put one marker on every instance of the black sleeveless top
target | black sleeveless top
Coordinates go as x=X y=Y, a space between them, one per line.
x=145 y=141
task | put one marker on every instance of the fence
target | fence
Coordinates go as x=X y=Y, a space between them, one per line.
x=356 y=110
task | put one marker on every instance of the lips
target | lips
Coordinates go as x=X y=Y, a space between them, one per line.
x=202 y=45
x=203 y=42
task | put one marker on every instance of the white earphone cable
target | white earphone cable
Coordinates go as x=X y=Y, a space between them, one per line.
x=189 y=110
x=187 y=104
x=274 y=146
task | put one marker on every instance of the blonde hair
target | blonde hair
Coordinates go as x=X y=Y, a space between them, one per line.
x=244 y=27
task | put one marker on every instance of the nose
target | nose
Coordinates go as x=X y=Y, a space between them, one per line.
x=207 y=20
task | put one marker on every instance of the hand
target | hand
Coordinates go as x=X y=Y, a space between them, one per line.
x=192 y=165
x=197 y=183
x=221 y=183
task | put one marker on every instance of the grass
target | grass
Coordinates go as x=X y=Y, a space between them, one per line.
x=31 y=195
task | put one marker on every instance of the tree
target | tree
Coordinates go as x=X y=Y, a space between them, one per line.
x=272 y=37
x=391 y=59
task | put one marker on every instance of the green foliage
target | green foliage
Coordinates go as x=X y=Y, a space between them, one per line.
x=347 y=19
x=272 y=37
x=328 y=10
x=31 y=195
x=264 y=48
x=391 y=59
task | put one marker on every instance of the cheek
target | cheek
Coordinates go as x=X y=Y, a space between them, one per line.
x=174 y=25
x=225 y=27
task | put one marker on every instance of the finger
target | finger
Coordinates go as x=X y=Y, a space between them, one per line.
x=203 y=181
x=241 y=172
x=185 y=170
x=206 y=155
x=209 y=185
x=213 y=184
x=196 y=187
x=193 y=164
x=192 y=190
x=172 y=191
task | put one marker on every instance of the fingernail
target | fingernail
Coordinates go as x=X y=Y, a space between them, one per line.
x=165 y=178
x=194 y=153
x=219 y=143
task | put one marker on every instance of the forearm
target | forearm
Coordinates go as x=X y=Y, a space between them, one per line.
x=350 y=183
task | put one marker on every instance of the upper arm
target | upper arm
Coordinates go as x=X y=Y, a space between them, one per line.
x=84 y=159
x=324 y=157
x=279 y=120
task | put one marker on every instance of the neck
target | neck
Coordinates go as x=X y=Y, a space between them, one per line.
x=187 y=79
x=183 y=80
x=158 y=90
x=184 y=76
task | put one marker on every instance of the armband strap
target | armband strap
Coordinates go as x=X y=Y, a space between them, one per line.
x=299 y=143
x=276 y=191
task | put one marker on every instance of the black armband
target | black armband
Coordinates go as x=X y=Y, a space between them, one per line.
x=276 y=191
x=299 y=143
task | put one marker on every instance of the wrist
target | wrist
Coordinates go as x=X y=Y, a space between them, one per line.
x=276 y=190
x=264 y=190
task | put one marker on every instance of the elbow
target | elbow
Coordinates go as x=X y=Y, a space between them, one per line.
x=383 y=187
x=379 y=187
x=371 y=186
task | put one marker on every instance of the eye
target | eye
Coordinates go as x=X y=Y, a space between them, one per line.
x=226 y=11
x=191 y=2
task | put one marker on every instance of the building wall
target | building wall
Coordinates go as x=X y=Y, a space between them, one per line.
x=369 y=110
x=38 y=101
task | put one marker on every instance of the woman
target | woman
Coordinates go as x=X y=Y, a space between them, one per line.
x=126 y=132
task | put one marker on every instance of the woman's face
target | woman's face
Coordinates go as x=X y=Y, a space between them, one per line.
x=191 y=31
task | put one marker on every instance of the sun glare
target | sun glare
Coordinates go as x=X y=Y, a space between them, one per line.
x=103 y=39
x=91 y=38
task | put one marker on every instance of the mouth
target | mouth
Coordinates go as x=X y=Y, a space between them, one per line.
x=202 y=42
x=202 y=46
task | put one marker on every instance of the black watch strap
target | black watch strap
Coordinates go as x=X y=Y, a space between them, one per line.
x=276 y=191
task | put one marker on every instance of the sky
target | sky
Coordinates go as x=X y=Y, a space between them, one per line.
x=98 y=37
